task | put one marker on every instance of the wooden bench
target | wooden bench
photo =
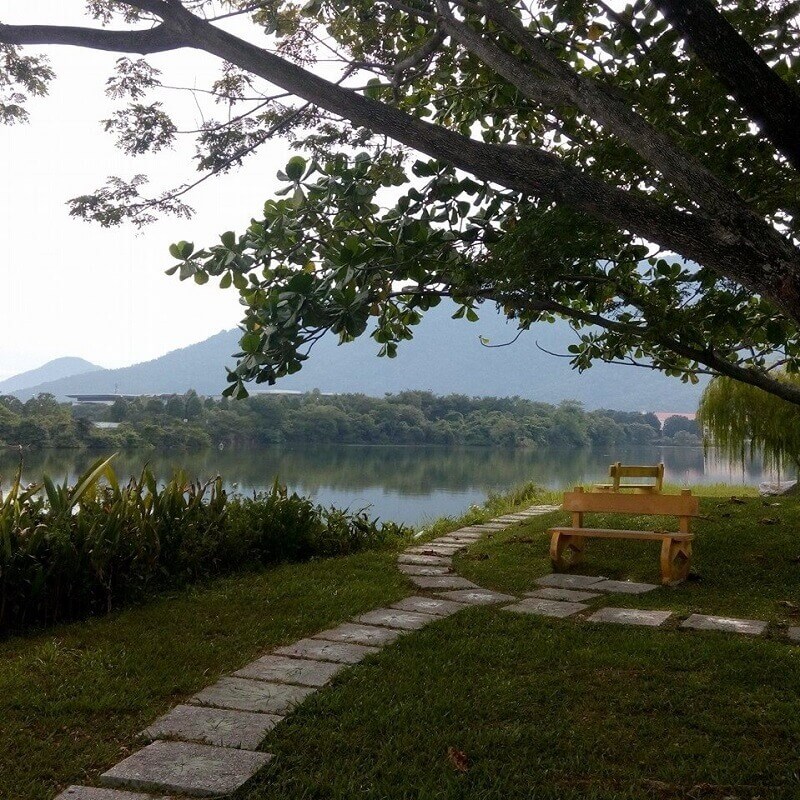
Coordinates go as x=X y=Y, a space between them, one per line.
x=567 y=545
x=618 y=471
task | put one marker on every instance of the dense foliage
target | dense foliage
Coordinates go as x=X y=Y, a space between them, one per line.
x=741 y=420
x=67 y=551
x=407 y=418
x=631 y=167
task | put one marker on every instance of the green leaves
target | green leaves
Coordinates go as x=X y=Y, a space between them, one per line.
x=295 y=168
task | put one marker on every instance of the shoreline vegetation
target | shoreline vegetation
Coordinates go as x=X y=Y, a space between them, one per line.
x=190 y=422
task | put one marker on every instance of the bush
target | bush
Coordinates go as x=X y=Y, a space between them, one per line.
x=66 y=552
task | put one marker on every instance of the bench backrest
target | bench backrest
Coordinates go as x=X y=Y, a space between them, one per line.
x=674 y=505
x=618 y=471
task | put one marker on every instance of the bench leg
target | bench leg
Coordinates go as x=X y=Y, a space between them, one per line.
x=676 y=559
x=566 y=550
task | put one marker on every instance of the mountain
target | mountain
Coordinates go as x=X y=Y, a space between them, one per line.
x=444 y=357
x=51 y=371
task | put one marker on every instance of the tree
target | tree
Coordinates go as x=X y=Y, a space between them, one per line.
x=741 y=420
x=634 y=171
x=678 y=423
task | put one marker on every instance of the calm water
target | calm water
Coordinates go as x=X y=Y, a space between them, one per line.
x=406 y=484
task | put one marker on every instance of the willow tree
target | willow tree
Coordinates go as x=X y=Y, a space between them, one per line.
x=744 y=421
x=630 y=167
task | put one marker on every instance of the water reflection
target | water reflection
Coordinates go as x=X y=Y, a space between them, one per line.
x=407 y=484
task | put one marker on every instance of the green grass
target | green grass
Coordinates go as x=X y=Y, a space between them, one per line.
x=73 y=699
x=745 y=567
x=551 y=710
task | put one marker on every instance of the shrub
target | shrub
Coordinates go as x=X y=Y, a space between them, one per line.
x=69 y=551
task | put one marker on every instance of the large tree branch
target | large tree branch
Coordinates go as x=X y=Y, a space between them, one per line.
x=155 y=40
x=768 y=100
x=748 y=256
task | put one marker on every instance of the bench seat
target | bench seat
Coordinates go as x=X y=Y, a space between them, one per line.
x=612 y=533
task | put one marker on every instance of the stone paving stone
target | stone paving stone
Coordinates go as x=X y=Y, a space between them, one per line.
x=793 y=634
x=572 y=595
x=449 y=541
x=340 y=652
x=546 y=608
x=219 y=726
x=434 y=549
x=443 y=582
x=477 y=597
x=429 y=605
x=197 y=770
x=244 y=694
x=419 y=569
x=290 y=670
x=432 y=561
x=559 y=580
x=631 y=616
x=472 y=536
x=92 y=793
x=392 y=618
x=623 y=587
x=360 y=634
x=702 y=622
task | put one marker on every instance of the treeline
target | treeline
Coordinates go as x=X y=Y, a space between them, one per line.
x=408 y=418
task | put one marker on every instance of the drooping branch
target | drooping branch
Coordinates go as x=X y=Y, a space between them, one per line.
x=768 y=100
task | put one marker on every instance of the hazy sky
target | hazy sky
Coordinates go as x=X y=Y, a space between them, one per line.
x=73 y=288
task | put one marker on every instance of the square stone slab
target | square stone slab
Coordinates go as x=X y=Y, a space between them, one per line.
x=392 y=618
x=450 y=541
x=327 y=651
x=477 y=597
x=560 y=580
x=290 y=670
x=244 y=694
x=419 y=569
x=623 y=587
x=434 y=549
x=431 y=561
x=429 y=605
x=91 y=793
x=572 y=595
x=701 y=622
x=546 y=608
x=218 y=726
x=360 y=634
x=443 y=582
x=793 y=634
x=467 y=536
x=631 y=616
x=197 y=770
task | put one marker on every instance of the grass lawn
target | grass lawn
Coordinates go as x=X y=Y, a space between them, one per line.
x=551 y=710
x=746 y=566
x=73 y=699
x=543 y=709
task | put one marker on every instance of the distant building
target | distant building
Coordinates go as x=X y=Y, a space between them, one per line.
x=107 y=426
x=663 y=416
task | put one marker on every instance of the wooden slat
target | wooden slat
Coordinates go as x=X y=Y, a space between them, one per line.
x=635 y=470
x=675 y=505
x=608 y=533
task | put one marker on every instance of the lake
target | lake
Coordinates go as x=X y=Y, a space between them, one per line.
x=406 y=484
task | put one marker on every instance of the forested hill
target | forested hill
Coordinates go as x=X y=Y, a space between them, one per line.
x=51 y=371
x=444 y=357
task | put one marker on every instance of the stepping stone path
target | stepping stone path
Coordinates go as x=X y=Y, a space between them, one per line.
x=208 y=748
x=394 y=618
x=571 y=595
x=193 y=769
x=428 y=605
x=290 y=670
x=477 y=597
x=560 y=580
x=443 y=582
x=546 y=608
x=793 y=634
x=631 y=616
x=244 y=694
x=91 y=793
x=219 y=726
x=701 y=622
